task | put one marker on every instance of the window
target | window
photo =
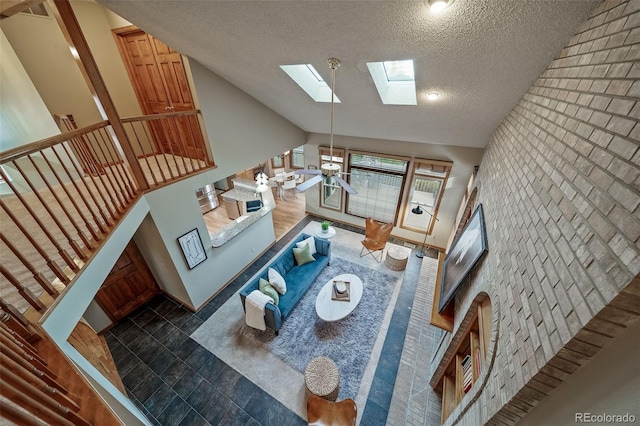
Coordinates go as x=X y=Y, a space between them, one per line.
x=395 y=81
x=379 y=181
x=309 y=80
x=296 y=159
x=331 y=194
x=428 y=180
x=276 y=162
x=36 y=9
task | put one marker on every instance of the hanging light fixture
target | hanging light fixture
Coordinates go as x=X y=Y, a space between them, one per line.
x=262 y=182
x=328 y=170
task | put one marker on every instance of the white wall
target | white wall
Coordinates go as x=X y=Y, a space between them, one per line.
x=175 y=211
x=243 y=132
x=45 y=55
x=609 y=383
x=463 y=158
x=17 y=95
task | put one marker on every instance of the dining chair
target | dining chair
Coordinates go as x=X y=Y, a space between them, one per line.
x=290 y=184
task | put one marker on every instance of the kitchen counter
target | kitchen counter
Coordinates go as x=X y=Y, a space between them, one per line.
x=242 y=192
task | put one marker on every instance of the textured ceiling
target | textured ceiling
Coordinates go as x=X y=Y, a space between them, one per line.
x=482 y=55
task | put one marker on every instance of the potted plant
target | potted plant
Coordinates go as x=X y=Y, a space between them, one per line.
x=325 y=226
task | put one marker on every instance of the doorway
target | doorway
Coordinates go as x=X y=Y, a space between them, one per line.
x=128 y=286
x=160 y=82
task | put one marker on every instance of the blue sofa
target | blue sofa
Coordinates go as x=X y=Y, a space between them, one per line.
x=298 y=279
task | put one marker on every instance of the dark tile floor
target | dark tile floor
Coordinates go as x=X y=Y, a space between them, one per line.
x=175 y=381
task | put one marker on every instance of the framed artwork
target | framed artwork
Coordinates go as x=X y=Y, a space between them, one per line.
x=470 y=246
x=192 y=248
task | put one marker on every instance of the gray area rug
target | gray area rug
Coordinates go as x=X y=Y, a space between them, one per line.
x=348 y=342
x=226 y=335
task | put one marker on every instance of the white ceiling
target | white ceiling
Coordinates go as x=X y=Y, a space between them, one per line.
x=482 y=55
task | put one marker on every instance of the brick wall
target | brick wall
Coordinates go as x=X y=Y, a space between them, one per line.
x=560 y=187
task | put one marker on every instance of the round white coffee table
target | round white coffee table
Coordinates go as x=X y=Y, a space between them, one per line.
x=333 y=310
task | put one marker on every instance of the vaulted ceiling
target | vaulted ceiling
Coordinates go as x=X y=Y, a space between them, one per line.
x=481 y=55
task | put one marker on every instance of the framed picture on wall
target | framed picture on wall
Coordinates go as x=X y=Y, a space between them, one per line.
x=192 y=248
x=464 y=254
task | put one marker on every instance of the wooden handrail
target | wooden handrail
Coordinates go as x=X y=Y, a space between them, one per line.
x=30 y=377
x=12 y=414
x=14 y=325
x=31 y=148
x=159 y=116
x=27 y=402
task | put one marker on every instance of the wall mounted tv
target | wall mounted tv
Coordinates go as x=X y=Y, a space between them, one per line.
x=465 y=252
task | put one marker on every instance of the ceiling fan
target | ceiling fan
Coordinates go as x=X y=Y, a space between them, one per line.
x=328 y=172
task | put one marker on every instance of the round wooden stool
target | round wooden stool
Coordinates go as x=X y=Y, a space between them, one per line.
x=321 y=378
x=396 y=259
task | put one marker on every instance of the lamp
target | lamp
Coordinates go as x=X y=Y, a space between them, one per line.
x=438 y=6
x=417 y=210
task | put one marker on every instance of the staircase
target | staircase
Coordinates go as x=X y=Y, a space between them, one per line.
x=39 y=384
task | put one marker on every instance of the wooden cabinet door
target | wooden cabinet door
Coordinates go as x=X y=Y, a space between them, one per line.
x=178 y=93
x=160 y=82
x=128 y=285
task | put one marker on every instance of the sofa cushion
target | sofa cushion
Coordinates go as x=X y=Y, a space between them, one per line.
x=299 y=281
x=310 y=241
x=269 y=290
x=284 y=263
x=277 y=281
x=303 y=255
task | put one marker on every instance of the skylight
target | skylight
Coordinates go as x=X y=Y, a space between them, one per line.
x=399 y=70
x=306 y=76
x=395 y=81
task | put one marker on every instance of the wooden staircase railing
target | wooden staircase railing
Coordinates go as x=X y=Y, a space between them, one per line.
x=169 y=146
x=56 y=215
x=67 y=193
x=40 y=385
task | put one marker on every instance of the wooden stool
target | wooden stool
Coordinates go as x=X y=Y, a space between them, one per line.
x=321 y=378
x=396 y=259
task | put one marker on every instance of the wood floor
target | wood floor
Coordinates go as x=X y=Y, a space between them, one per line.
x=286 y=215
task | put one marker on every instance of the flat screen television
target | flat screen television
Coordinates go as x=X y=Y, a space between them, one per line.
x=465 y=252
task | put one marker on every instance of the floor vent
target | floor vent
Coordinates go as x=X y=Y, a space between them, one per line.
x=411 y=246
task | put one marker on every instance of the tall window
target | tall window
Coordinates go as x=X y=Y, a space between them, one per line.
x=276 y=162
x=296 y=158
x=379 y=181
x=331 y=194
x=428 y=181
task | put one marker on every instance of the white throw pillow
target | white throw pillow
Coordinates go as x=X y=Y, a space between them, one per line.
x=312 y=245
x=277 y=281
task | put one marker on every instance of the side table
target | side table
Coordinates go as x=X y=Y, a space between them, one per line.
x=321 y=378
x=396 y=258
x=326 y=235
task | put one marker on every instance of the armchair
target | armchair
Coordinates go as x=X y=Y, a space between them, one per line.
x=321 y=412
x=375 y=238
